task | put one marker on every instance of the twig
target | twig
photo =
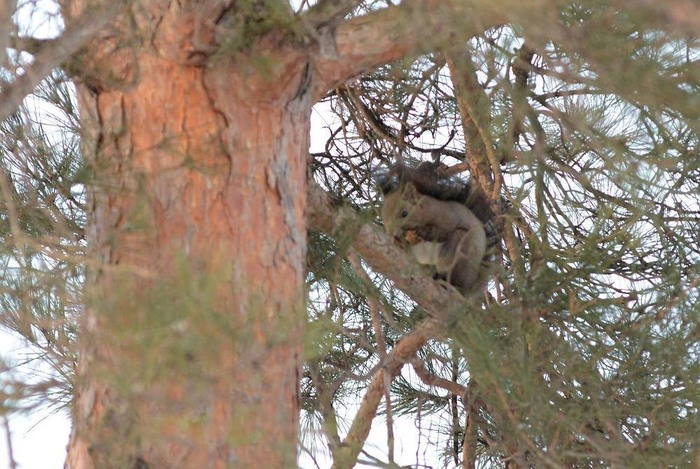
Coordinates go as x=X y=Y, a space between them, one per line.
x=404 y=350
x=8 y=442
x=53 y=54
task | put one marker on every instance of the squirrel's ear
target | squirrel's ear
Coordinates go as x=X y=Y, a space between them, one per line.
x=411 y=192
x=386 y=181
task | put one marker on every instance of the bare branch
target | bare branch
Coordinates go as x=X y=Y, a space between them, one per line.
x=470 y=428
x=8 y=443
x=374 y=308
x=328 y=12
x=386 y=35
x=436 y=381
x=30 y=45
x=404 y=350
x=54 y=54
x=475 y=111
x=6 y=10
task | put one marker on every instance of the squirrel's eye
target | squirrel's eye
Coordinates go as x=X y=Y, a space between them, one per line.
x=404 y=213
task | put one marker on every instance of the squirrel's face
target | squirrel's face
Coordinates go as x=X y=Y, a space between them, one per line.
x=399 y=210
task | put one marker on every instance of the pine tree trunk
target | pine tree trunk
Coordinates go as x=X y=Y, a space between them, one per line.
x=192 y=333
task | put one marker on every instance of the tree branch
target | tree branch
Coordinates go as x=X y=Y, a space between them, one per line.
x=475 y=111
x=411 y=28
x=436 y=381
x=6 y=27
x=30 y=45
x=405 y=349
x=374 y=310
x=328 y=12
x=54 y=53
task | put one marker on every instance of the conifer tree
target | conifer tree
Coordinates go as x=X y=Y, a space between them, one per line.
x=211 y=293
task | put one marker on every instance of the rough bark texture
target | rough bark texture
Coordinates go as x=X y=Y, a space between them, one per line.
x=192 y=336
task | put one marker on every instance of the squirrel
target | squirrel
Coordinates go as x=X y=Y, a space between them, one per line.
x=432 y=215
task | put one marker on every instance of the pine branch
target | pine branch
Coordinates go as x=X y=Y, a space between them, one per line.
x=54 y=53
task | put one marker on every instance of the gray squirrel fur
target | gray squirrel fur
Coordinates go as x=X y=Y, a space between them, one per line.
x=433 y=216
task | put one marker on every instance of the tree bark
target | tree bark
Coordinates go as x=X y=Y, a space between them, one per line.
x=191 y=338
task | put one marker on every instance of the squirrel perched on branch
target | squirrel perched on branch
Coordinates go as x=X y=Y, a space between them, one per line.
x=437 y=218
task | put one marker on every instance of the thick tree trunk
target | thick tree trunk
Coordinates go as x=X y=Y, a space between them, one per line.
x=192 y=333
x=191 y=339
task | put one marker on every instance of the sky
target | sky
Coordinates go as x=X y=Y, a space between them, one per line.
x=38 y=438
